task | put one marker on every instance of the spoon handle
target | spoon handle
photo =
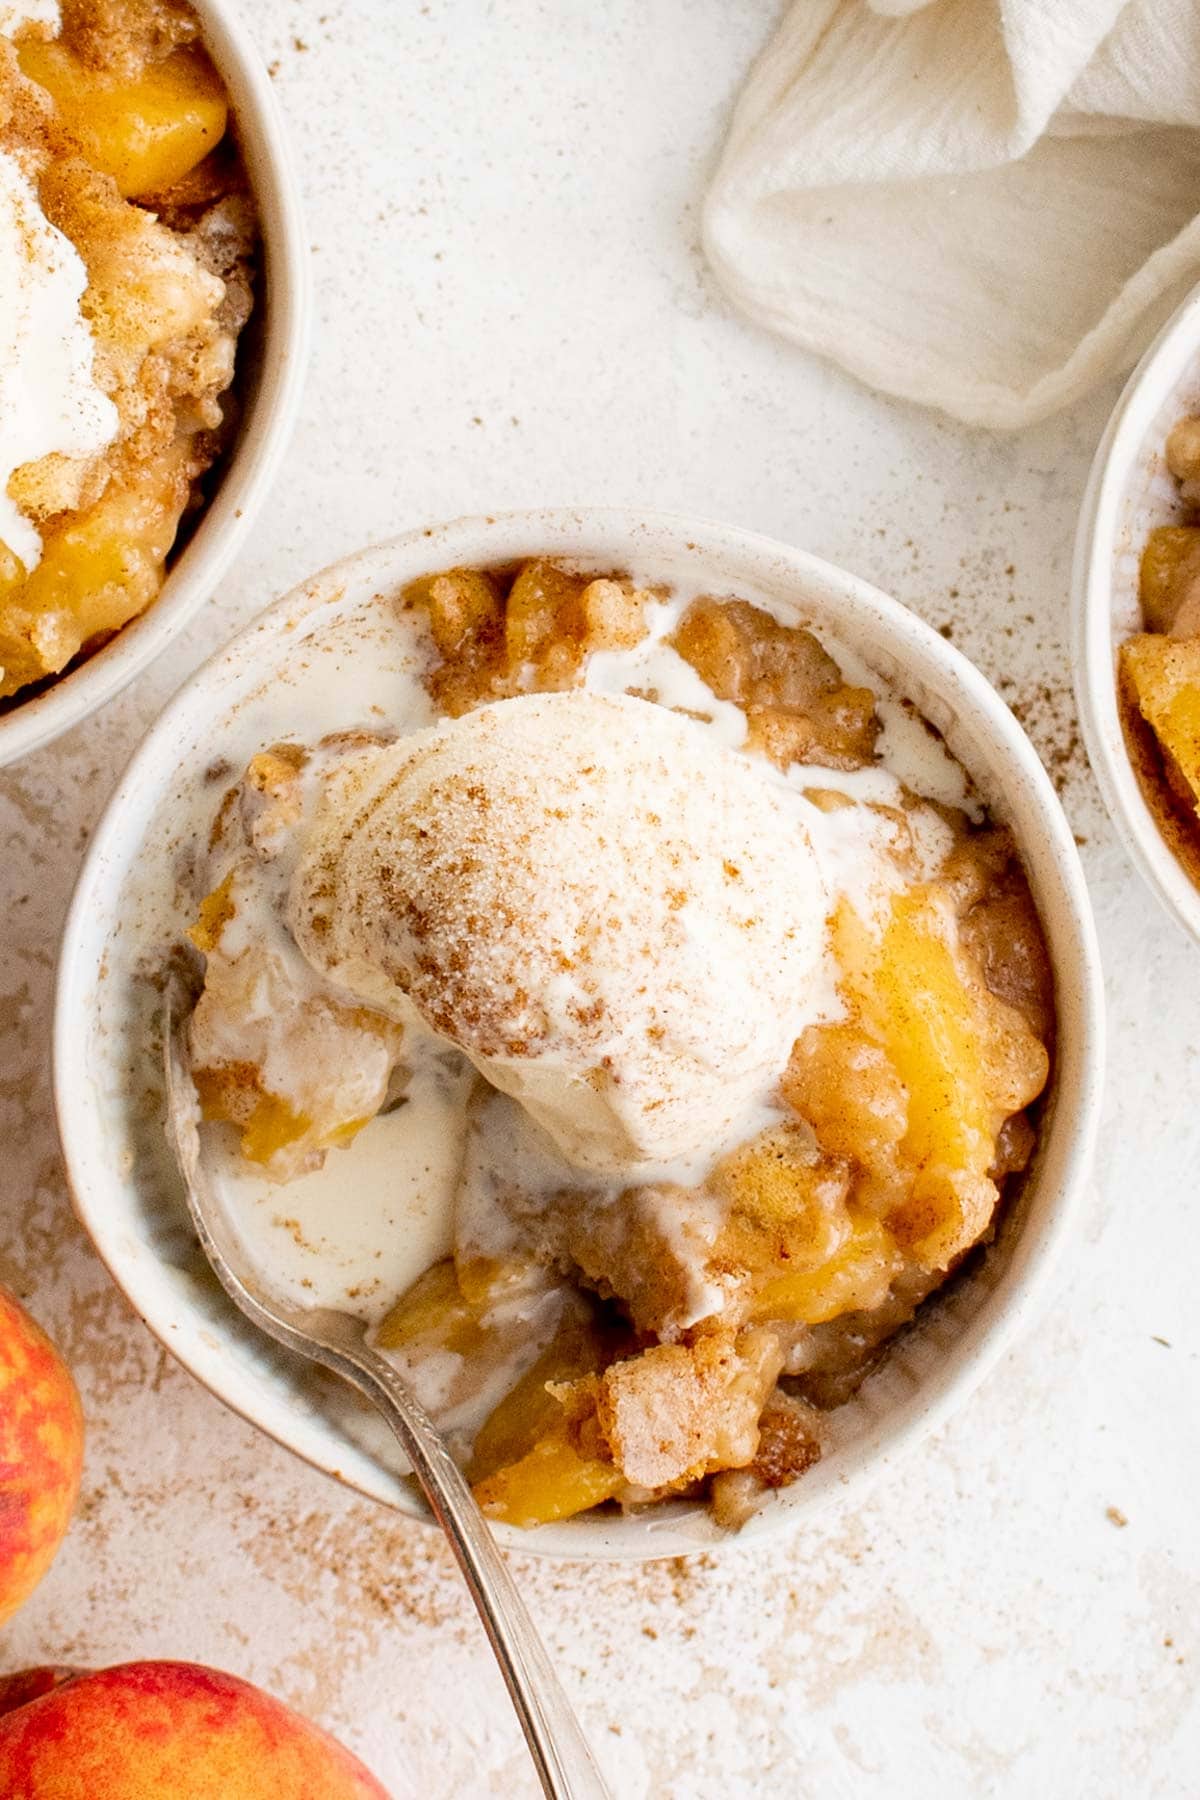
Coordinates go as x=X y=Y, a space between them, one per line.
x=559 y=1749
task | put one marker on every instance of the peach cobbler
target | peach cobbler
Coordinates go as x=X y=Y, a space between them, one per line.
x=746 y=999
x=1160 y=666
x=128 y=240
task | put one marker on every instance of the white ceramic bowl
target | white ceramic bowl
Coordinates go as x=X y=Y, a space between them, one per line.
x=269 y=382
x=129 y=1199
x=1130 y=491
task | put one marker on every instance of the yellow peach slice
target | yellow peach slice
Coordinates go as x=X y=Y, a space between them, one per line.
x=554 y=1481
x=147 y=134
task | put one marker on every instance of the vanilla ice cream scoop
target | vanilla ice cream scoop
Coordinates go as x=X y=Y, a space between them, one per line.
x=619 y=920
x=50 y=403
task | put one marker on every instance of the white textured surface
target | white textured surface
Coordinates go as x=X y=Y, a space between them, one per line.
x=512 y=312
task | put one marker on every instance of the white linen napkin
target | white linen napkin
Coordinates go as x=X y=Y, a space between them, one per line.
x=983 y=205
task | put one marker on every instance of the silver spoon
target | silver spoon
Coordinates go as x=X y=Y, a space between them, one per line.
x=337 y=1340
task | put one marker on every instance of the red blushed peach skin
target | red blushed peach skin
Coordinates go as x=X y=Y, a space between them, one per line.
x=41 y=1453
x=168 y=1731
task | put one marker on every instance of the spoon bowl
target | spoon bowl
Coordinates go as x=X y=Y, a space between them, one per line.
x=338 y=1341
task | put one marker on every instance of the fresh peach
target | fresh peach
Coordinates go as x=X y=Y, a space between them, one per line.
x=41 y=1453
x=148 y=1730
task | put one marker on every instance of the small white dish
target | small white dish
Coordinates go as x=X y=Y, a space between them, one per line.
x=1129 y=492
x=105 y=1062
x=269 y=382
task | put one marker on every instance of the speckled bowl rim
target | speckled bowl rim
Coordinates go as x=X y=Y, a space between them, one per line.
x=280 y=360
x=983 y=728
x=1133 y=432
